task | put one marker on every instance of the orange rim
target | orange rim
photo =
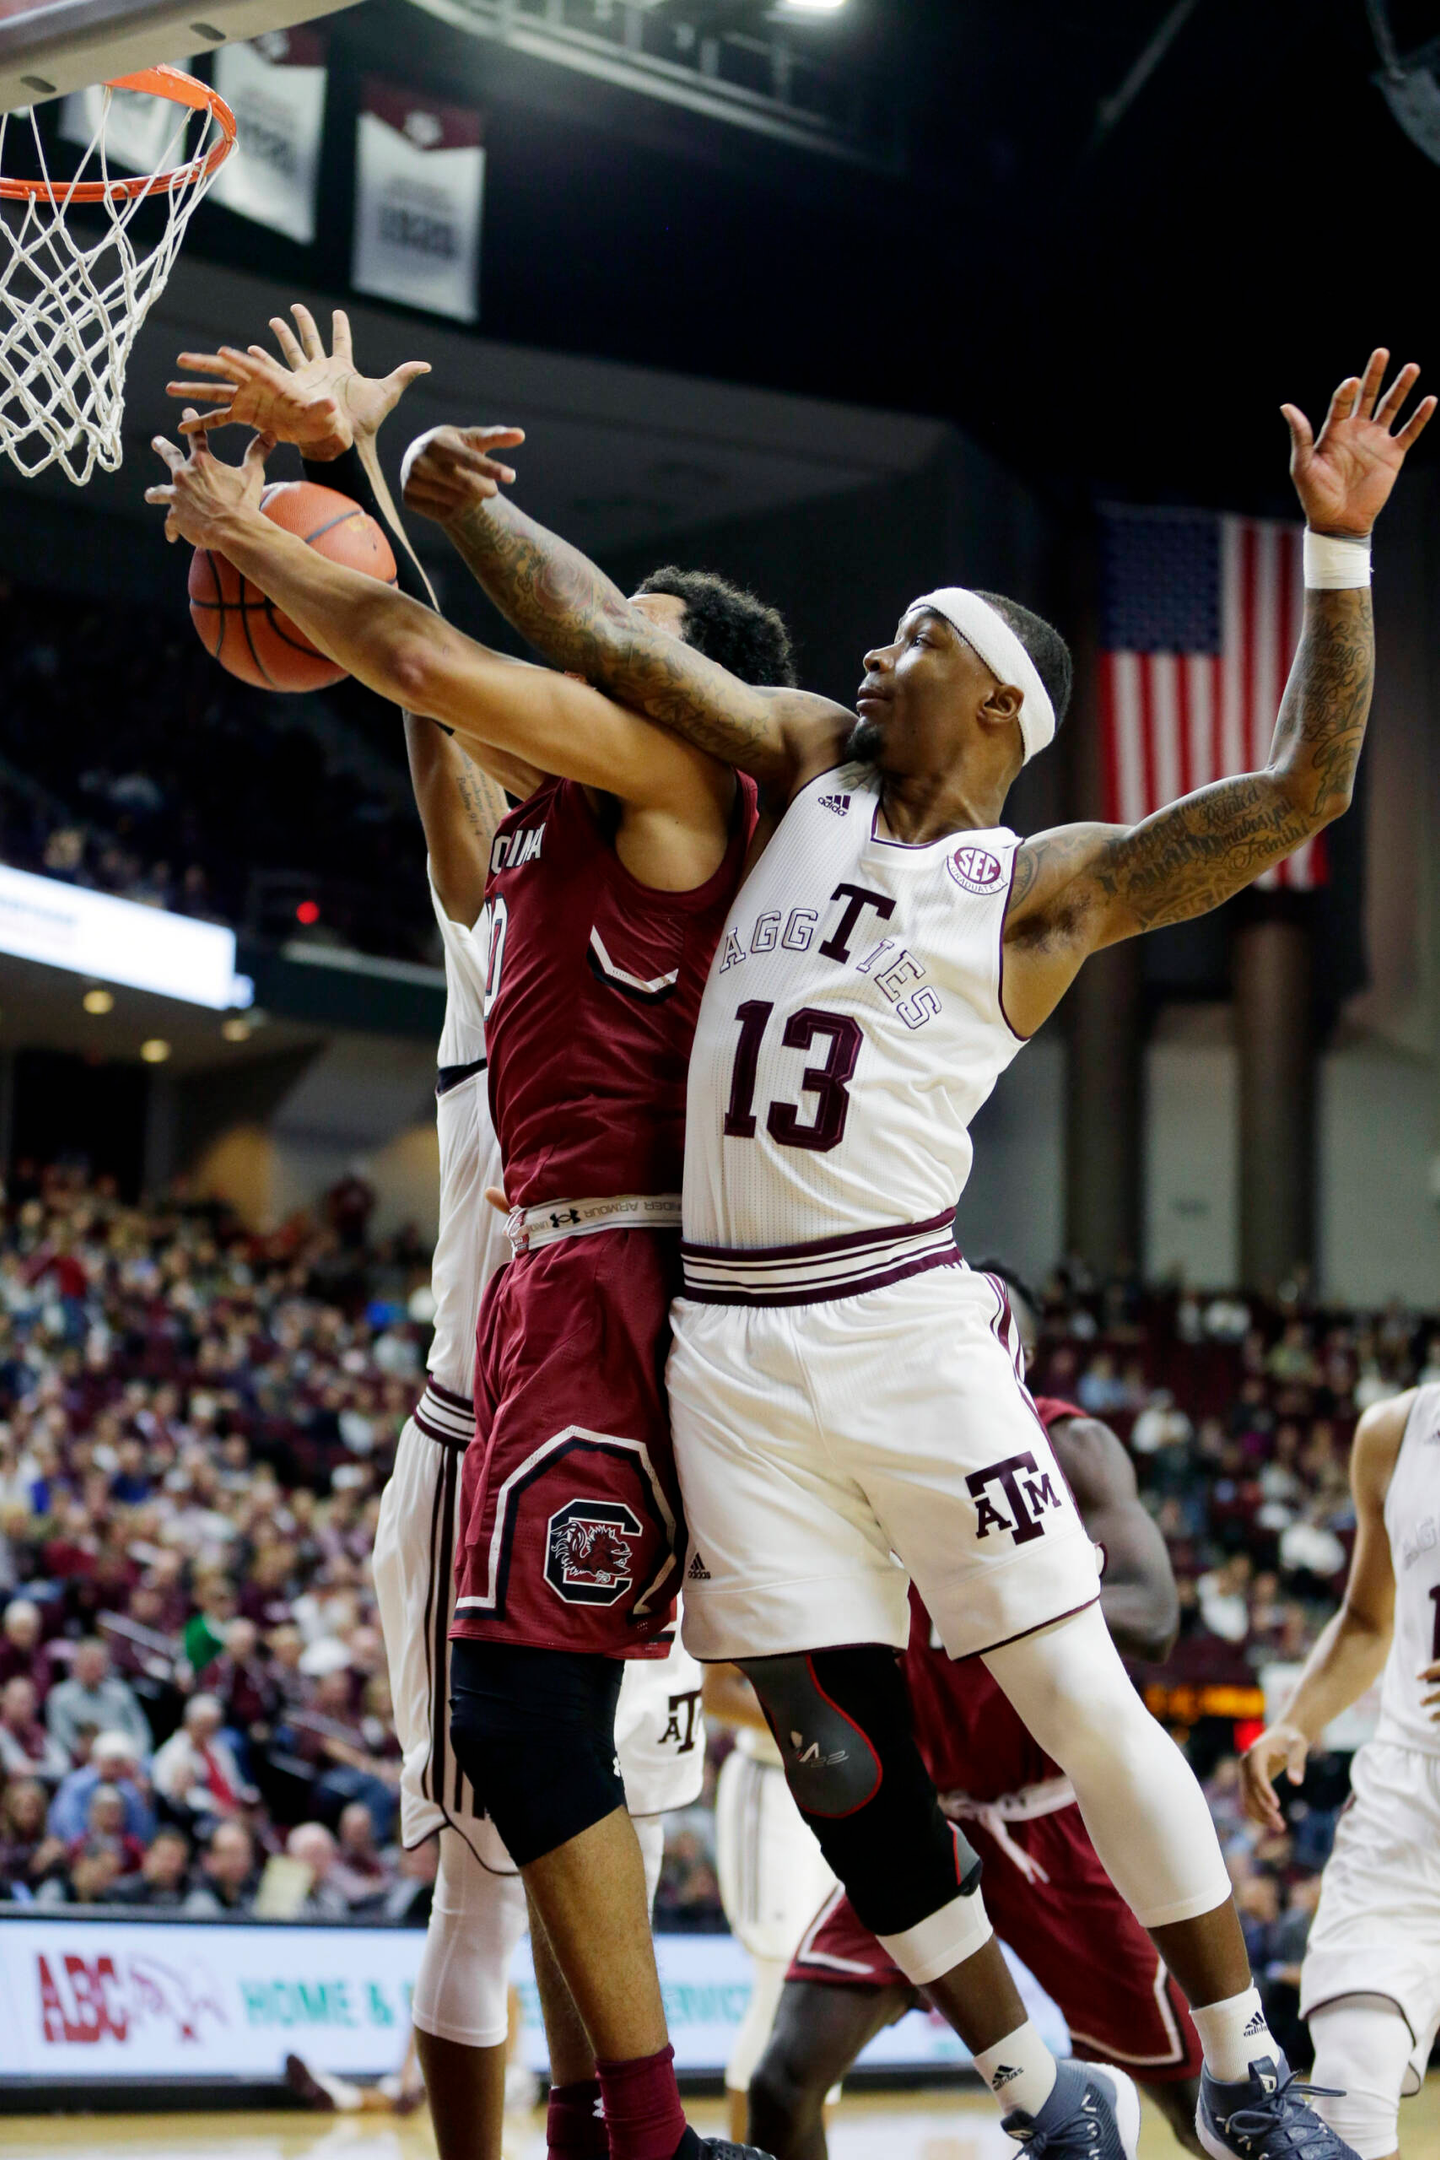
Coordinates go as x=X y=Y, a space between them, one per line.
x=165 y=82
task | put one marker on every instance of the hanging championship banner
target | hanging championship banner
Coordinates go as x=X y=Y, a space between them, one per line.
x=142 y=134
x=276 y=89
x=419 y=182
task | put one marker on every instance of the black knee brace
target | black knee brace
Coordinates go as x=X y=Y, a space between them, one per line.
x=534 y=1731
x=841 y=1720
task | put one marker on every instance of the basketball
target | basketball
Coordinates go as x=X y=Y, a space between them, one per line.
x=248 y=634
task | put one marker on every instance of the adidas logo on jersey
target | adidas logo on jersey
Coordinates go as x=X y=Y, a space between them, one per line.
x=840 y=804
x=697 y=1570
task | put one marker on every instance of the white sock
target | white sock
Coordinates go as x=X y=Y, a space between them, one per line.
x=1020 y=2070
x=1234 y=2034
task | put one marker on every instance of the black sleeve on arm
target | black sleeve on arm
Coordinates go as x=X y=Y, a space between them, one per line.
x=347 y=475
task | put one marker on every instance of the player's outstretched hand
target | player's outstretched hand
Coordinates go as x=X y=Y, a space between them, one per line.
x=1279 y=1747
x=202 y=493
x=1344 y=479
x=317 y=400
x=450 y=470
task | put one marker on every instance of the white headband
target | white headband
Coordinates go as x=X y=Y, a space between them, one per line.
x=1002 y=652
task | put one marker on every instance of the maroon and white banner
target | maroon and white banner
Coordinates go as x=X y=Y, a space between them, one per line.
x=419 y=185
x=276 y=90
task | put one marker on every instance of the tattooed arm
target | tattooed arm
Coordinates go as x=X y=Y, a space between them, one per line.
x=1083 y=887
x=460 y=807
x=578 y=619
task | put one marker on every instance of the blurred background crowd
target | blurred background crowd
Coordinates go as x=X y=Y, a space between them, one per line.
x=195 y=1426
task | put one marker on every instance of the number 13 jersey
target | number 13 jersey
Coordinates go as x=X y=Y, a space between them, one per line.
x=851 y=1028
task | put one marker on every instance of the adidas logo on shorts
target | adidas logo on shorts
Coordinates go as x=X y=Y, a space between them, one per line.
x=697 y=1570
x=840 y=804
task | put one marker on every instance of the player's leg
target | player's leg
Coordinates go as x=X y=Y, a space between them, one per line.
x=787 y=1551
x=575 y=2123
x=1149 y=1823
x=818 y=2032
x=460 y=2007
x=534 y=1731
x=1363 y=2048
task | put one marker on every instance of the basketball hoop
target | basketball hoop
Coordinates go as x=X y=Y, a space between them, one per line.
x=71 y=307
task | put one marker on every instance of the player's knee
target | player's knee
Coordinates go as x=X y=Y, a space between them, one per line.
x=476 y=1919
x=1362 y=2053
x=534 y=1731
x=852 y=1765
x=787 y=2098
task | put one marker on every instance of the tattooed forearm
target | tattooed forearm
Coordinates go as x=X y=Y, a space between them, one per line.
x=1201 y=850
x=578 y=619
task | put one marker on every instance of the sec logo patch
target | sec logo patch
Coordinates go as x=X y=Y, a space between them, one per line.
x=975 y=869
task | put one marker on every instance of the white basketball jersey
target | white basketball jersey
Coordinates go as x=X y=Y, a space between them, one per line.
x=471 y=1243
x=850 y=1029
x=1412 y=1518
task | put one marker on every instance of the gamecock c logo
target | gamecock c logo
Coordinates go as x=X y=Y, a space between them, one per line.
x=588 y=1551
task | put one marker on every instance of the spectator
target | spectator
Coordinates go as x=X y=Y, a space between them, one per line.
x=361 y=1872
x=105 y=1832
x=94 y=1696
x=196 y=1770
x=1224 y=1606
x=245 y=1683
x=90 y=1880
x=161 y=1884
x=22 y=1653
x=312 y=1844
x=26 y=1748
x=28 y=1850
x=112 y=1762
x=228 y=1872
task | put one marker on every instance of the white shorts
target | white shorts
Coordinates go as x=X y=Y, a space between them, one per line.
x=659 y=1730
x=773 y=1876
x=1377 y=1928
x=830 y=1452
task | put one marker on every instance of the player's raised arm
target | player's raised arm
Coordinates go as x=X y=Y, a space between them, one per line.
x=1082 y=887
x=1350 y=1652
x=404 y=652
x=1137 y=1594
x=578 y=619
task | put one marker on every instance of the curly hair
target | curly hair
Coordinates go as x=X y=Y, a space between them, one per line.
x=728 y=624
x=1045 y=646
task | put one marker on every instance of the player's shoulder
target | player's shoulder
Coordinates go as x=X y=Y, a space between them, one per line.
x=1094 y=1459
x=1379 y=1437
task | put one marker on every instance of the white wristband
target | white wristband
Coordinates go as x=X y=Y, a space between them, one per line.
x=1332 y=563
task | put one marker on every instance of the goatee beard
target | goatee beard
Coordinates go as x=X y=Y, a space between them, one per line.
x=864 y=744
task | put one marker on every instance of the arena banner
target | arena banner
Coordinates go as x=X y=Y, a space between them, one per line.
x=105 y=1999
x=419 y=185
x=119 y=941
x=276 y=89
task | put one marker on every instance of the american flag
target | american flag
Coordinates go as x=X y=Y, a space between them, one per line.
x=1200 y=619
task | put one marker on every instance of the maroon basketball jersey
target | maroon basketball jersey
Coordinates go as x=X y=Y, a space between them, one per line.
x=592 y=993
x=970 y=1738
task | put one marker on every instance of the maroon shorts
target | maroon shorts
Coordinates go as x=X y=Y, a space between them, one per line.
x=1074 y=1931
x=570 y=1522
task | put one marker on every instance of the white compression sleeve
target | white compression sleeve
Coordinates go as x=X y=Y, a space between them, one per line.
x=476 y=1920
x=1362 y=2049
x=1141 y=1802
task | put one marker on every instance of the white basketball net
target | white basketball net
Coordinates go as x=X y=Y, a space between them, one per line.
x=72 y=300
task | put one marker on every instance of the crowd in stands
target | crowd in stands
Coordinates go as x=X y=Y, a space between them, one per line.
x=134 y=765
x=195 y=1425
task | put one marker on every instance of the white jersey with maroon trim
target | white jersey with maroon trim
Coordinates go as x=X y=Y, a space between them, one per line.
x=1412 y=1518
x=471 y=1242
x=851 y=1028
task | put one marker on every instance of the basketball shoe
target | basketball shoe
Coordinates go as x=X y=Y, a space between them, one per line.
x=1269 y=2113
x=1094 y=2111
